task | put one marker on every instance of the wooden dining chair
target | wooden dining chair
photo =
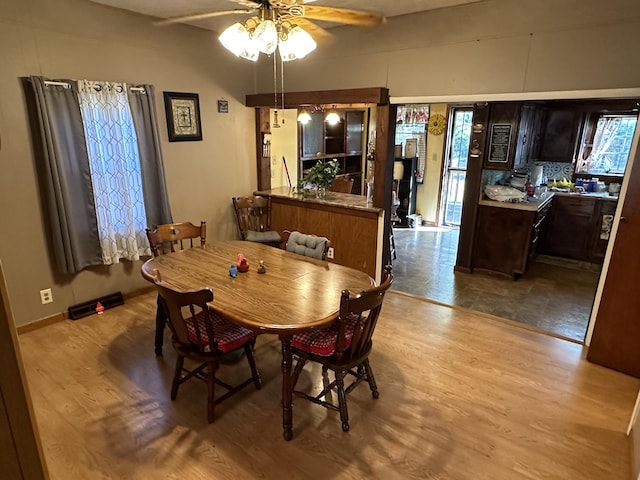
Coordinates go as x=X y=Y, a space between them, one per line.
x=165 y=238
x=307 y=245
x=343 y=347
x=253 y=215
x=201 y=335
x=342 y=184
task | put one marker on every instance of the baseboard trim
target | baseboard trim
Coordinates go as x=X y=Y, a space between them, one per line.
x=43 y=322
x=457 y=268
x=62 y=316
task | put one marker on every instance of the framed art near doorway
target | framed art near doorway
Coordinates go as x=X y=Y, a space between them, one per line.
x=183 y=116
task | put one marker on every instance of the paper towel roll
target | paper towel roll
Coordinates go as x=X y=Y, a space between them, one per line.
x=536 y=176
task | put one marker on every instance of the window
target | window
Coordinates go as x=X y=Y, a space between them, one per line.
x=101 y=166
x=411 y=123
x=606 y=144
x=455 y=170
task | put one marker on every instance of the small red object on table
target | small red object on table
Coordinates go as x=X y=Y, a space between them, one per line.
x=243 y=264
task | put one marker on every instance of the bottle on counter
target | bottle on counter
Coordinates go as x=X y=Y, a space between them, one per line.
x=530 y=188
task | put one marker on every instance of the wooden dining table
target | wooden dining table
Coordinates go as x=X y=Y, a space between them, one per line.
x=295 y=294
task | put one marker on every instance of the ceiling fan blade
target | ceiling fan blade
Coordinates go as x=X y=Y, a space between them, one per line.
x=248 y=3
x=200 y=16
x=319 y=34
x=343 y=15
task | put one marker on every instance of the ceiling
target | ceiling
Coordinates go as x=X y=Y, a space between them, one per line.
x=175 y=8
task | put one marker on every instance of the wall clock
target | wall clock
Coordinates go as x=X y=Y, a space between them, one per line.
x=437 y=124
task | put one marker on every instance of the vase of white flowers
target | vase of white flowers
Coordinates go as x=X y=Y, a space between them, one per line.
x=320 y=177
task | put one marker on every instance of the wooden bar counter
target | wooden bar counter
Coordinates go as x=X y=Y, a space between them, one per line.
x=353 y=226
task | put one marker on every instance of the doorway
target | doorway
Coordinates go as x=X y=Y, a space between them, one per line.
x=555 y=296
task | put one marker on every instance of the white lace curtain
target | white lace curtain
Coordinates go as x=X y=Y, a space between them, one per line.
x=606 y=130
x=114 y=161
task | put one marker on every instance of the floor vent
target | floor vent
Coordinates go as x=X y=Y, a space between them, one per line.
x=93 y=306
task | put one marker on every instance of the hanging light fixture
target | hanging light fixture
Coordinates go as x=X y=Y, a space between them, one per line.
x=304 y=117
x=333 y=118
x=266 y=34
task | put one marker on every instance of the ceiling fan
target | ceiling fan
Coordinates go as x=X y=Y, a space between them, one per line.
x=280 y=23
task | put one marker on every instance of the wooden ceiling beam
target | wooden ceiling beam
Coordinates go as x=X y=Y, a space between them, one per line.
x=371 y=96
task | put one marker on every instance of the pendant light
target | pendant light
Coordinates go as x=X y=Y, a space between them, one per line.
x=333 y=118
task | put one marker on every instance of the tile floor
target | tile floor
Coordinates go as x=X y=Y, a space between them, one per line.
x=554 y=295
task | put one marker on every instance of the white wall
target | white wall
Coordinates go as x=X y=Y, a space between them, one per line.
x=497 y=46
x=79 y=39
x=284 y=143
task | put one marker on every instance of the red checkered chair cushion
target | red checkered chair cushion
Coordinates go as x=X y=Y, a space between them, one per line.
x=323 y=342
x=228 y=335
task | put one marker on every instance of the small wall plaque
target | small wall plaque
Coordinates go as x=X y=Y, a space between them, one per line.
x=223 y=106
x=500 y=143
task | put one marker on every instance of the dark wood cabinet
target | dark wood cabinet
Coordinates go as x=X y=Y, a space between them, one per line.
x=579 y=228
x=538 y=132
x=569 y=233
x=557 y=131
x=526 y=136
x=342 y=142
x=502 y=133
x=507 y=239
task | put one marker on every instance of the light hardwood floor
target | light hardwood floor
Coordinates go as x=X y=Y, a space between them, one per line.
x=462 y=395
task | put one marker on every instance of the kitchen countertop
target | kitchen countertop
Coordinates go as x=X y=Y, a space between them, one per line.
x=534 y=206
x=542 y=200
x=331 y=199
x=600 y=195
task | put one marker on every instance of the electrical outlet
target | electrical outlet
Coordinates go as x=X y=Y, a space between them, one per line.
x=46 y=296
x=330 y=253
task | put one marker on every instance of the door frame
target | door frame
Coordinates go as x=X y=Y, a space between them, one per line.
x=555 y=95
x=635 y=164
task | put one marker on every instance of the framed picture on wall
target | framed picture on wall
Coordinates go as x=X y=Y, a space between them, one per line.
x=183 y=116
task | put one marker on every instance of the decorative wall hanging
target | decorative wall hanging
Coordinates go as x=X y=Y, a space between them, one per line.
x=183 y=116
x=437 y=124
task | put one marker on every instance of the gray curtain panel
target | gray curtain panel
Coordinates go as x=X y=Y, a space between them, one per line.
x=66 y=177
x=156 y=200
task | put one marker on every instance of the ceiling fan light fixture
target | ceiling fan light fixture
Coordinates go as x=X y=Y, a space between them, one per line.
x=265 y=36
x=237 y=40
x=295 y=44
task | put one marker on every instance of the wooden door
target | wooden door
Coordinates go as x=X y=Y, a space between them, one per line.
x=20 y=450
x=616 y=336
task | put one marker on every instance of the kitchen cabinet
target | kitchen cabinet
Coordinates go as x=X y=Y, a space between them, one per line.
x=569 y=232
x=508 y=238
x=579 y=227
x=526 y=136
x=342 y=142
x=502 y=131
x=555 y=131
